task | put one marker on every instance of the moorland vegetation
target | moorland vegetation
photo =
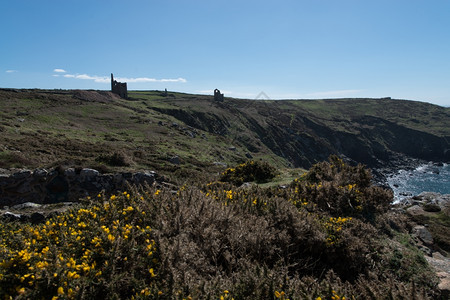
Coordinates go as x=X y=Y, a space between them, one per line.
x=325 y=233
x=328 y=235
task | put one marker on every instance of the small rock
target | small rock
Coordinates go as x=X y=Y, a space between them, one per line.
x=232 y=148
x=40 y=173
x=415 y=210
x=246 y=185
x=431 y=207
x=9 y=216
x=70 y=173
x=117 y=178
x=429 y=196
x=248 y=155
x=423 y=234
x=444 y=284
x=142 y=178
x=21 y=174
x=26 y=205
x=427 y=251
x=218 y=163
x=88 y=173
x=175 y=160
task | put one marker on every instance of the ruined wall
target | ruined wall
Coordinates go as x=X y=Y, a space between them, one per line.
x=218 y=96
x=119 y=88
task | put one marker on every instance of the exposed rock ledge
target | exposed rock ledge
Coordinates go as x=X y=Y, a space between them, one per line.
x=55 y=186
x=428 y=211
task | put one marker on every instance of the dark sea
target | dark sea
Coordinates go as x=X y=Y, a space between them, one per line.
x=426 y=178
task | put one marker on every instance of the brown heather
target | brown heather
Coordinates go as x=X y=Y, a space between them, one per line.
x=329 y=235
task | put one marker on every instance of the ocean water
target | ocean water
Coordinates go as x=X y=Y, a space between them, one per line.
x=426 y=178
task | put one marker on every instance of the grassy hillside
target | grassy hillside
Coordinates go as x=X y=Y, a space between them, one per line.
x=97 y=129
x=322 y=234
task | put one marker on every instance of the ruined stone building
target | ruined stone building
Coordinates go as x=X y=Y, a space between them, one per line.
x=218 y=96
x=119 y=88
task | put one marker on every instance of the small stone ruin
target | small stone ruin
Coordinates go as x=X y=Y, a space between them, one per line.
x=218 y=96
x=119 y=88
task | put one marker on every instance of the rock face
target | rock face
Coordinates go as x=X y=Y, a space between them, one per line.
x=428 y=210
x=442 y=266
x=43 y=187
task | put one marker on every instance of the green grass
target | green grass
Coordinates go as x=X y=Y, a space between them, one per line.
x=284 y=133
x=285 y=177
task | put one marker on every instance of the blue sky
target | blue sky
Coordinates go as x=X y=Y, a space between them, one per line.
x=287 y=49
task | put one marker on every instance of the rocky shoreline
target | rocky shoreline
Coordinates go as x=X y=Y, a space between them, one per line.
x=430 y=216
x=391 y=166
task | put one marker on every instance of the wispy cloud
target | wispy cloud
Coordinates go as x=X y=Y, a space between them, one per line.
x=106 y=79
x=102 y=79
x=59 y=71
x=146 y=79
x=340 y=93
x=211 y=92
x=11 y=71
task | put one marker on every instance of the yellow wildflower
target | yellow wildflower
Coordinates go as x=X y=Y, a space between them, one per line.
x=60 y=290
x=152 y=273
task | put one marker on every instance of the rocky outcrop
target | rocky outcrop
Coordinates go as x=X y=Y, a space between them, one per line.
x=431 y=212
x=44 y=187
x=34 y=213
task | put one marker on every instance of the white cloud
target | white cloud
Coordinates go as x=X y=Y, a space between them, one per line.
x=340 y=93
x=59 y=70
x=88 y=77
x=11 y=71
x=146 y=79
x=106 y=79
x=211 y=92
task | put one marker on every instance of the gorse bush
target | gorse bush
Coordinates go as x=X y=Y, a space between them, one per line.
x=249 y=171
x=217 y=242
x=340 y=190
x=105 y=249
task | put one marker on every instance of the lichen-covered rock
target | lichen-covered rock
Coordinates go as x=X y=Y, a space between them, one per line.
x=423 y=234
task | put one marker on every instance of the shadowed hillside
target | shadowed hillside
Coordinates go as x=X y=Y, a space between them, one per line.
x=185 y=134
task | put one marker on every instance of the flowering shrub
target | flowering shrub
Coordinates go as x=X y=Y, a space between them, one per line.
x=310 y=240
x=333 y=227
x=89 y=251
x=341 y=190
x=258 y=171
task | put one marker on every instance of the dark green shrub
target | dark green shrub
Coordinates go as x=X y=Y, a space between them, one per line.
x=116 y=159
x=249 y=171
